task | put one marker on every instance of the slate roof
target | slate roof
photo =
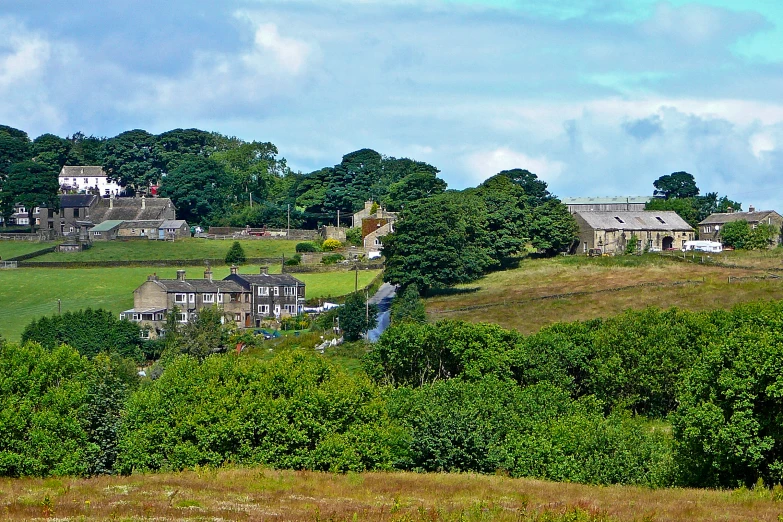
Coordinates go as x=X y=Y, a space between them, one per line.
x=129 y=209
x=173 y=223
x=246 y=280
x=92 y=171
x=199 y=286
x=106 y=225
x=608 y=200
x=750 y=217
x=640 y=220
x=77 y=200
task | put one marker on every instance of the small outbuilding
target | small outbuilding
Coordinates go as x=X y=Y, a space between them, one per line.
x=106 y=231
x=173 y=229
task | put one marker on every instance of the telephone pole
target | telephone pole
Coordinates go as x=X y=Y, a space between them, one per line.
x=288 y=230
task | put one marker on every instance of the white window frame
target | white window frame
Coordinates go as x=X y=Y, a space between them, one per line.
x=180 y=298
x=182 y=317
x=219 y=297
x=277 y=310
x=277 y=291
x=191 y=298
x=208 y=298
x=263 y=309
x=263 y=291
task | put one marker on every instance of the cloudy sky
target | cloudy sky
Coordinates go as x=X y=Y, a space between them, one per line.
x=598 y=97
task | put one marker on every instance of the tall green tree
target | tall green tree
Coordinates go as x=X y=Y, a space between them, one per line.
x=52 y=150
x=407 y=306
x=505 y=202
x=198 y=187
x=676 y=185
x=552 y=227
x=439 y=242
x=357 y=317
x=85 y=150
x=413 y=187
x=132 y=159
x=33 y=185
x=535 y=189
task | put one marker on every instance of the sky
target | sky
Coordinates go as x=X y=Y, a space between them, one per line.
x=597 y=97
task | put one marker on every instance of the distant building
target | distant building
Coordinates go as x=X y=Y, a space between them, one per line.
x=606 y=204
x=610 y=232
x=88 y=179
x=710 y=227
x=375 y=224
x=271 y=295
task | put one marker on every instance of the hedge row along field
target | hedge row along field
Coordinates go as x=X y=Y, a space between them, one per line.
x=652 y=397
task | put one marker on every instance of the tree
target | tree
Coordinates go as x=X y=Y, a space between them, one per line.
x=407 y=306
x=208 y=333
x=552 y=228
x=535 y=189
x=735 y=234
x=33 y=185
x=350 y=185
x=131 y=159
x=52 y=150
x=686 y=208
x=15 y=147
x=415 y=186
x=676 y=185
x=439 y=242
x=85 y=150
x=235 y=254
x=356 y=317
x=505 y=202
x=198 y=187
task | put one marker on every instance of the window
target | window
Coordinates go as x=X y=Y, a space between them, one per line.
x=96 y=233
x=660 y=220
x=72 y=228
x=179 y=298
x=619 y=220
x=290 y=291
x=136 y=317
x=220 y=297
x=263 y=309
x=182 y=317
x=87 y=180
x=208 y=298
x=277 y=288
x=158 y=317
x=191 y=298
x=76 y=212
x=237 y=317
x=263 y=290
x=144 y=334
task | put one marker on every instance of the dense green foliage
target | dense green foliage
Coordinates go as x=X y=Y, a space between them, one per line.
x=676 y=185
x=407 y=306
x=235 y=254
x=740 y=235
x=678 y=192
x=89 y=331
x=458 y=236
x=356 y=316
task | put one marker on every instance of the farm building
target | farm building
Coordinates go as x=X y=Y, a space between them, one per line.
x=710 y=227
x=606 y=204
x=105 y=231
x=610 y=232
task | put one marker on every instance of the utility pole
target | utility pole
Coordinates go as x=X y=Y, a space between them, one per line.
x=338 y=218
x=250 y=195
x=288 y=230
x=356 y=283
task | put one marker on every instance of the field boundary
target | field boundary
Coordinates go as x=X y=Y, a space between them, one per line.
x=706 y=260
x=566 y=295
x=31 y=255
x=146 y=262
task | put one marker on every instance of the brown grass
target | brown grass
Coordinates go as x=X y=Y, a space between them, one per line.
x=258 y=494
x=513 y=298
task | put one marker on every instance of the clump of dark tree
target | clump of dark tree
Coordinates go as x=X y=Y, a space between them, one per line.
x=456 y=237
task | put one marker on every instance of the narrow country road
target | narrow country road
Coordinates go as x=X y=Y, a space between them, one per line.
x=383 y=298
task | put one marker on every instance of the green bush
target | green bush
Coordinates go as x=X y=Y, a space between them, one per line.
x=331 y=259
x=353 y=236
x=306 y=247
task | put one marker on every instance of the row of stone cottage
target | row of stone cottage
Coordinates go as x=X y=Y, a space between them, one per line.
x=245 y=299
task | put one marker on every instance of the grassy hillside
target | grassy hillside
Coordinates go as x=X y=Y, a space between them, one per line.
x=29 y=293
x=9 y=249
x=258 y=494
x=536 y=293
x=189 y=248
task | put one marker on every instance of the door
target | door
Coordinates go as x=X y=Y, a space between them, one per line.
x=668 y=243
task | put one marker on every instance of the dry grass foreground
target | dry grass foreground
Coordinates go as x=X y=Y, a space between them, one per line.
x=519 y=298
x=253 y=494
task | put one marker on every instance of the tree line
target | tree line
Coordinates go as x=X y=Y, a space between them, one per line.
x=651 y=397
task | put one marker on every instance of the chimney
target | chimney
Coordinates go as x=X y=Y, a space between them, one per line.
x=751 y=208
x=264 y=270
x=208 y=274
x=143 y=202
x=233 y=269
x=180 y=275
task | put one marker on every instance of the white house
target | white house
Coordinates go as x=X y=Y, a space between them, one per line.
x=88 y=178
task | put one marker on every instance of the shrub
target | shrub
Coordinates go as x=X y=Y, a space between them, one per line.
x=332 y=259
x=331 y=244
x=236 y=254
x=306 y=247
x=353 y=236
x=292 y=261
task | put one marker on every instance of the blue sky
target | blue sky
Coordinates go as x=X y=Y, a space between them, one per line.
x=598 y=97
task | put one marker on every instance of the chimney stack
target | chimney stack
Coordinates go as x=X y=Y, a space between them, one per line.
x=143 y=202
x=208 y=274
x=233 y=269
x=264 y=270
x=180 y=275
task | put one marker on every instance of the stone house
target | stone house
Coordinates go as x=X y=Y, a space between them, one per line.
x=272 y=295
x=105 y=231
x=142 y=228
x=710 y=227
x=610 y=232
x=374 y=224
x=156 y=297
x=88 y=179
x=173 y=229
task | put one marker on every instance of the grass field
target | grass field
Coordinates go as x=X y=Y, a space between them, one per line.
x=513 y=298
x=28 y=293
x=259 y=494
x=9 y=249
x=190 y=248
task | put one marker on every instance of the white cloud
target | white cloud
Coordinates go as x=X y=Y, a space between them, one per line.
x=291 y=54
x=483 y=164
